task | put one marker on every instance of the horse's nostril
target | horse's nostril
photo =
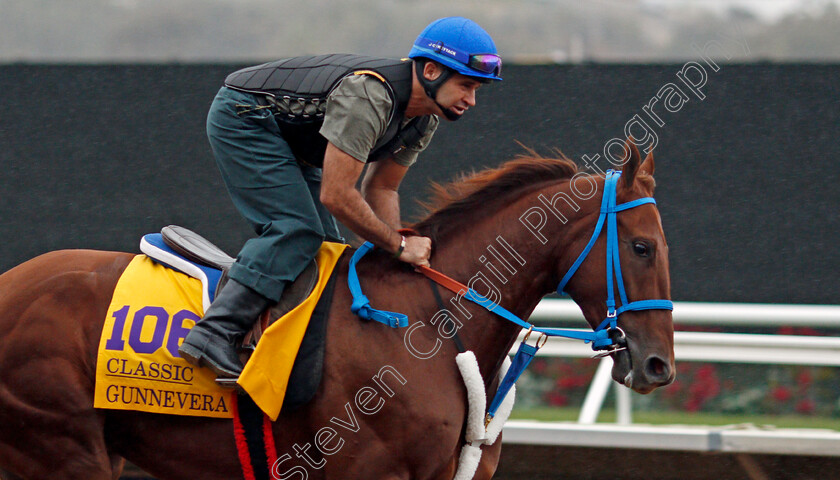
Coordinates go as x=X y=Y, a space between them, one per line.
x=657 y=370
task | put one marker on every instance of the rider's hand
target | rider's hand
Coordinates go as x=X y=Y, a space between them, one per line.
x=417 y=251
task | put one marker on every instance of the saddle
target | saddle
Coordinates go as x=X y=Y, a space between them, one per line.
x=197 y=249
x=306 y=372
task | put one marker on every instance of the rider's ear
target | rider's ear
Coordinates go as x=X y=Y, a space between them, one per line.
x=631 y=164
x=431 y=71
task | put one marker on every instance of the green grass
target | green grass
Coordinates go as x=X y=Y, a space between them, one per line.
x=547 y=414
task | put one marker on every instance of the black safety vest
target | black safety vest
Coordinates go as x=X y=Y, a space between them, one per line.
x=297 y=89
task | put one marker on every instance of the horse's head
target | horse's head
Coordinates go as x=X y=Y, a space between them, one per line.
x=648 y=360
x=492 y=202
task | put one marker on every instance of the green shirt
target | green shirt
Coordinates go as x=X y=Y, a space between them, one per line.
x=357 y=117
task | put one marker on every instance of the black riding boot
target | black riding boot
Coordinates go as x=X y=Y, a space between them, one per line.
x=211 y=341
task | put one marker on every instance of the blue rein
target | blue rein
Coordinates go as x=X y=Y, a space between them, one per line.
x=361 y=304
x=600 y=337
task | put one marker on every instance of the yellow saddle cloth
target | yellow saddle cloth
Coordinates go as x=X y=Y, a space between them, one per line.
x=152 y=310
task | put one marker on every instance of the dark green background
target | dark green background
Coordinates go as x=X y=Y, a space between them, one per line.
x=96 y=156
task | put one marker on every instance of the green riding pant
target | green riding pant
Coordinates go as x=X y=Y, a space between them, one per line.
x=275 y=193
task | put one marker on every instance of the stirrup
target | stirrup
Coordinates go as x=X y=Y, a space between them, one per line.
x=227 y=382
x=230 y=382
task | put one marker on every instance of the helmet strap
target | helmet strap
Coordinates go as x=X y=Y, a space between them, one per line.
x=431 y=87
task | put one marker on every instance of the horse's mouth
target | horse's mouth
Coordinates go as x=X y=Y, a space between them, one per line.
x=622 y=371
x=652 y=374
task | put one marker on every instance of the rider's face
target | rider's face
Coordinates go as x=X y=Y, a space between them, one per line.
x=458 y=94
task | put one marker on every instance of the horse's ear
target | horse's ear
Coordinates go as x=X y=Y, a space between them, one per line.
x=631 y=165
x=647 y=166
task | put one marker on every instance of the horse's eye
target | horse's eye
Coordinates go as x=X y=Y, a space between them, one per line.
x=641 y=249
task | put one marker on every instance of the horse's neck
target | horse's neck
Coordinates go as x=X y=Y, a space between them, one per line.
x=506 y=260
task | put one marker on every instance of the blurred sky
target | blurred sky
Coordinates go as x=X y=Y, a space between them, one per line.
x=768 y=10
x=526 y=31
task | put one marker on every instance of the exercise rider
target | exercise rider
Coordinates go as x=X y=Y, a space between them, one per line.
x=291 y=139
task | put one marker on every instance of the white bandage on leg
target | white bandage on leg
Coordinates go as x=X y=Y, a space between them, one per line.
x=476 y=435
x=476 y=397
x=468 y=462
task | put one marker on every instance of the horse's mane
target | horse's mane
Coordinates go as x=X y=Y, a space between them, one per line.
x=452 y=203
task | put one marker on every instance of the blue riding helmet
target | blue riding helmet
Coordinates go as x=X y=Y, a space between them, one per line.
x=460 y=44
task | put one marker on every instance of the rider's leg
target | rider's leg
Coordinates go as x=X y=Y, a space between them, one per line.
x=211 y=341
x=269 y=189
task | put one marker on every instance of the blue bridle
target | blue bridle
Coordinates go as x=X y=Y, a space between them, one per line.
x=609 y=209
x=607 y=337
x=600 y=337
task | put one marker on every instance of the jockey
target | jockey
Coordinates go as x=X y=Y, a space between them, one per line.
x=292 y=137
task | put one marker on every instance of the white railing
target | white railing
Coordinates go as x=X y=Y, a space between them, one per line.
x=718 y=314
x=706 y=347
x=733 y=439
x=741 y=440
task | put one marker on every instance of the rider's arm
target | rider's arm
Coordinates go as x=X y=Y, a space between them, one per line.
x=357 y=115
x=340 y=196
x=380 y=190
x=382 y=180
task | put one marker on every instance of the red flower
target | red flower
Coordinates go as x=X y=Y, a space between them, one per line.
x=806 y=406
x=781 y=394
x=786 y=330
x=706 y=386
x=673 y=390
x=557 y=399
x=808 y=331
x=804 y=378
x=539 y=366
x=572 y=381
x=693 y=404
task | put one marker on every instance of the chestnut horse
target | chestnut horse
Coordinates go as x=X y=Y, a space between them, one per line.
x=391 y=404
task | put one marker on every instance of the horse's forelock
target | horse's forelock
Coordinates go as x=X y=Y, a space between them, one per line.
x=451 y=203
x=647 y=184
